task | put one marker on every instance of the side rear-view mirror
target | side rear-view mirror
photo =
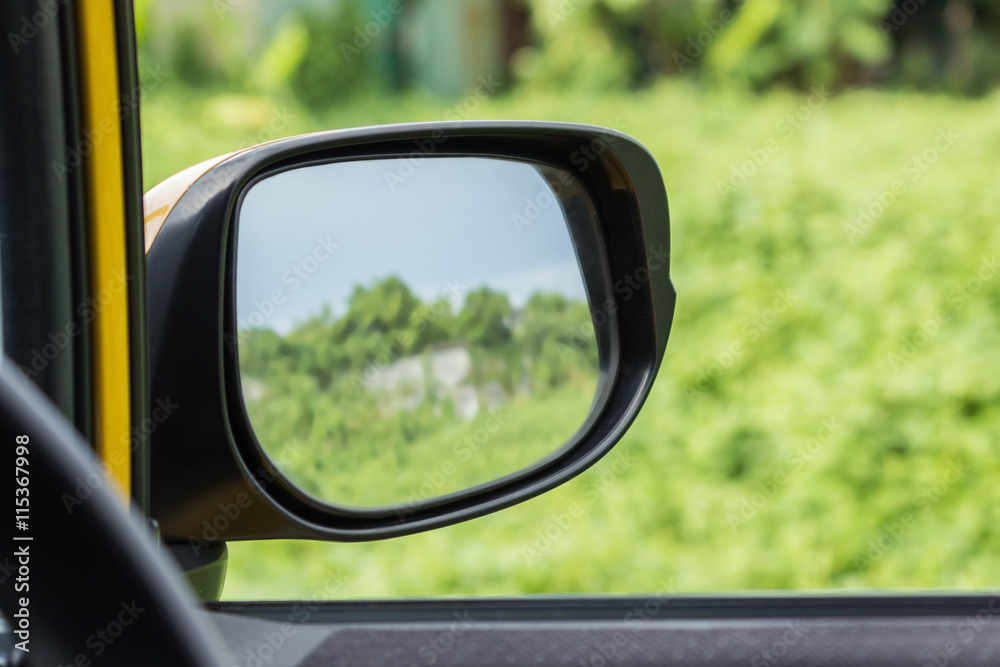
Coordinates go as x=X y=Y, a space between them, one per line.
x=379 y=331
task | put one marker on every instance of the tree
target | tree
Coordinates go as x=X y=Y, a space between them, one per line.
x=335 y=64
x=484 y=318
x=385 y=308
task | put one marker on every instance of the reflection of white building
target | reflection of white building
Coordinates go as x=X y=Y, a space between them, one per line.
x=450 y=365
x=439 y=373
x=401 y=386
x=253 y=389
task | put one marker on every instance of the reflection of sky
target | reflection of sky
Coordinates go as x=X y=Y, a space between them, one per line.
x=450 y=220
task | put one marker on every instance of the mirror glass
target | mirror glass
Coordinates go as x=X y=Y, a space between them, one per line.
x=409 y=328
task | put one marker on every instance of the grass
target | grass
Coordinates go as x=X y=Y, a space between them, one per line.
x=827 y=415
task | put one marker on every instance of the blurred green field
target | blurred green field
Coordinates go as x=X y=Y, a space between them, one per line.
x=828 y=411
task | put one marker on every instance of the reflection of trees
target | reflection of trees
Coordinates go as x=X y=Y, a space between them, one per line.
x=393 y=369
x=484 y=318
x=385 y=308
x=388 y=322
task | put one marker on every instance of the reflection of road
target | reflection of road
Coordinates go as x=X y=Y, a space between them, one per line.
x=441 y=373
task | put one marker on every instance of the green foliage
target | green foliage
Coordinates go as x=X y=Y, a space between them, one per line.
x=549 y=340
x=334 y=65
x=385 y=308
x=617 y=44
x=331 y=53
x=721 y=427
x=806 y=42
x=283 y=56
x=192 y=58
x=332 y=407
x=580 y=48
x=484 y=318
x=197 y=44
x=614 y=45
x=432 y=323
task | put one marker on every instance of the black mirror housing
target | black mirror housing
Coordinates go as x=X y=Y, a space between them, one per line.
x=210 y=480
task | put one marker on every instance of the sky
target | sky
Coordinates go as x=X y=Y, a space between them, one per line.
x=447 y=225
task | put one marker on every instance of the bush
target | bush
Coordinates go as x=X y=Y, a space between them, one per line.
x=777 y=464
x=336 y=63
x=616 y=44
